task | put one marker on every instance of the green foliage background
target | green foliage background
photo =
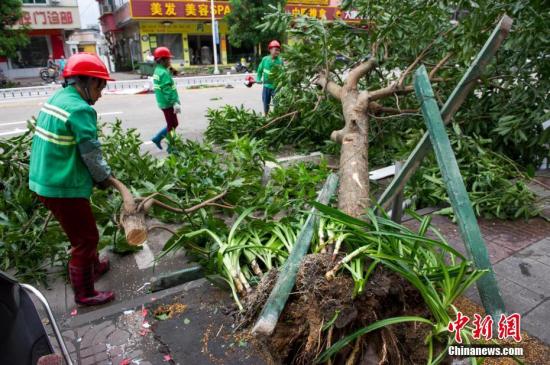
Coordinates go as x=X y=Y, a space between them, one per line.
x=497 y=135
x=11 y=39
x=30 y=244
x=243 y=20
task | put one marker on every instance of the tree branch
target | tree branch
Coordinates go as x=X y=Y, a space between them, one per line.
x=440 y=64
x=422 y=54
x=360 y=71
x=334 y=89
x=127 y=197
x=187 y=210
x=276 y=120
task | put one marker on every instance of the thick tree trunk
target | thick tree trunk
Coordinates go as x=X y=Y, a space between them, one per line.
x=353 y=194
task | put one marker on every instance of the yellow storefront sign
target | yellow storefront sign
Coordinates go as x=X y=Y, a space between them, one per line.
x=187 y=27
x=309 y=2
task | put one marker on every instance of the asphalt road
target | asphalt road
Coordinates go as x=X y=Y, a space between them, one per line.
x=140 y=111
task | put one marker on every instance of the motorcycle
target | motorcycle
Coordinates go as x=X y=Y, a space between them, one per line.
x=241 y=66
x=49 y=74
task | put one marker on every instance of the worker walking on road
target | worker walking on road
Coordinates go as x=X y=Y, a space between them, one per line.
x=66 y=162
x=263 y=75
x=166 y=94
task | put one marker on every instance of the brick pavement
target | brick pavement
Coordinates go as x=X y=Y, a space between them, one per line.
x=520 y=254
x=503 y=238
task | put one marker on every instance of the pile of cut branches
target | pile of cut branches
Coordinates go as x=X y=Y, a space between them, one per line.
x=197 y=179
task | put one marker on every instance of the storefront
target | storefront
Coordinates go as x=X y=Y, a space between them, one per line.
x=136 y=27
x=49 y=26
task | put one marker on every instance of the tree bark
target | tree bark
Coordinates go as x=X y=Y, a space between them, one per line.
x=353 y=193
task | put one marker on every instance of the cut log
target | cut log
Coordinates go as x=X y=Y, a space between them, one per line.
x=134 y=227
x=132 y=221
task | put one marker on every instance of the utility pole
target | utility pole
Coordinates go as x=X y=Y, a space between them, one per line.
x=214 y=46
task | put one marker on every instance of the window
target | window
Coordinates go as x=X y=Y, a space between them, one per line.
x=172 y=41
x=200 y=50
x=35 y=54
x=34 y=1
x=119 y=3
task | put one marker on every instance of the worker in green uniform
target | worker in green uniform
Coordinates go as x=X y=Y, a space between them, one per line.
x=66 y=162
x=166 y=94
x=264 y=71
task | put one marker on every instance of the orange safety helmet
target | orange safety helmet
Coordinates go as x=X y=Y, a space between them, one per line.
x=162 y=52
x=86 y=64
x=274 y=44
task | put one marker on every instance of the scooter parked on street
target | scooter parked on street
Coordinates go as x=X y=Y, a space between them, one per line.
x=49 y=74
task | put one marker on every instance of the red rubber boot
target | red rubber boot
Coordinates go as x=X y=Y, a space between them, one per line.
x=82 y=280
x=100 y=267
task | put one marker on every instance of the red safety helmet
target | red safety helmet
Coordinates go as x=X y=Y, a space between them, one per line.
x=274 y=44
x=86 y=64
x=162 y=52
x=249 y=81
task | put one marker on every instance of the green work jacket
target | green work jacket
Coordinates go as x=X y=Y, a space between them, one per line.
x=165 y=87
x=265 y=68
x=64 y=143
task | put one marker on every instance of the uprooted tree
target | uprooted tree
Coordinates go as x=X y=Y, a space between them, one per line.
x=367 y=68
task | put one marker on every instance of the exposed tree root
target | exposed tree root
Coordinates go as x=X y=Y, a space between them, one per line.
x=299 y=337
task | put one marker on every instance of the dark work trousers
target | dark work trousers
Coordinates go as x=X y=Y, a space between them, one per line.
x=267 y=95
x=171 y=118
x=77 y=220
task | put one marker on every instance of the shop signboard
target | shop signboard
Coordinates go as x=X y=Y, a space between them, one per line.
x=322 y=12
x=153 y=9
x=184 y=9
x=58 y=17
x=309 y=2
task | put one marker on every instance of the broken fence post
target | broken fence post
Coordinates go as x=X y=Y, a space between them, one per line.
x=397 y=206
x=462 y=207
x=454 y=102
x=287 y=274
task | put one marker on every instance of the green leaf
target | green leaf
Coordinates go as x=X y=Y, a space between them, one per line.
x=339 y=345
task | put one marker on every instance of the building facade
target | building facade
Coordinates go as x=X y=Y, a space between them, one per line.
x=90 y=40
x=134 y=28
x=51 y=22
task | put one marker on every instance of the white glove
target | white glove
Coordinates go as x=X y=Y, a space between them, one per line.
x=177 y=108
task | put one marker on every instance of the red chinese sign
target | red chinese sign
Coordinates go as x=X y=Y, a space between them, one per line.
x=323 y=12
x=508 y=326
x=178 y=9
x=45 y=18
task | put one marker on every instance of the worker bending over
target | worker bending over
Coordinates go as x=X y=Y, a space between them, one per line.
x=66 y=162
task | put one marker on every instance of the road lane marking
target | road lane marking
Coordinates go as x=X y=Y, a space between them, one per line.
x=147 y=143
x=144 y=258
x=13 y=123
x=15 y=131
x=110 y=113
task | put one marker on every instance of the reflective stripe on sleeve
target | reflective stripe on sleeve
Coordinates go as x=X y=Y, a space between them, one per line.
x=55 y=138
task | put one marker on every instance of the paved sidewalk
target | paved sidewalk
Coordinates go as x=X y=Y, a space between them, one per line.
x=196 y=330
x=520 y=254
